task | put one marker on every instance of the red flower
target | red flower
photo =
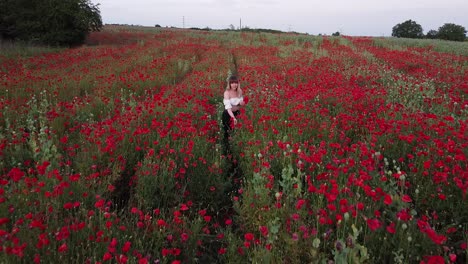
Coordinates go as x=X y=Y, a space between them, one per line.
x=404 y=215
x=463 y=246
x=100 y=203
x=63 y=248
x=406 y=199
x=75 y=177
x=388 y=199
x=121 y=258
x=37 y=259
x=143 y=261
x=15 y=174
x=391 y=228
x=64 y=139
x=222 y=251
x=161 y=223
x=107 y=256
x=264 y=231
x=113 y=242
x=360 y=206
x=135 y=210
x=42 y=168
x=300 y=203
x=433 y=260
x=126 y=247
x=249 y=236
x=374 y=224
x=4 y=220
x=452 y=257
x=183 y=207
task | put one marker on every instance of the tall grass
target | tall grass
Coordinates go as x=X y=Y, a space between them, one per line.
x=445 y=46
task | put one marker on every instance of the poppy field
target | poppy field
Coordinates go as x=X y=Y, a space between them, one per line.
x=349 y=150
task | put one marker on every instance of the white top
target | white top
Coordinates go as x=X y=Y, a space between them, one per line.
x=228 y=103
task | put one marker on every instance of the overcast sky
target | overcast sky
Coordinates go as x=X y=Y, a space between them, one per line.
x=349 y=17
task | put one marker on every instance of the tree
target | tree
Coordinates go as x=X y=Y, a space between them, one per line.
x=336 y=34
x=451 y=31
x=408 y=29
x=432 y=34
x=51 y=22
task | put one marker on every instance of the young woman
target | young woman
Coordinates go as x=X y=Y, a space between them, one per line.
x=233 y=101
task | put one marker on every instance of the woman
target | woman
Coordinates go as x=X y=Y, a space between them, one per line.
x=233 y=100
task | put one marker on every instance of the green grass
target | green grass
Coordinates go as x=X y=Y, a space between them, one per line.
x=9 y=50
x=452 y=47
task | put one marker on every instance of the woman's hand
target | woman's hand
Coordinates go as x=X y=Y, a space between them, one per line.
x=234 y=120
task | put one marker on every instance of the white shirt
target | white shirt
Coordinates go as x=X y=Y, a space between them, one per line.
x=228 y=103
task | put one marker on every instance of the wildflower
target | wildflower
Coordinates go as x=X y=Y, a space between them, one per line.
x=264 y=231
x=249 y=236
x=391 y=228
x=63 y=248
x=107 y=256
x=15 y=174
x=143 y=261
x=452 y=257
x=388 y=199
x=295 y=237
x=406 y=198
x=373 y=224
x=126 y=247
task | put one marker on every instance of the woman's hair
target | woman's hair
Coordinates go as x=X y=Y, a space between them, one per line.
x=232 y=79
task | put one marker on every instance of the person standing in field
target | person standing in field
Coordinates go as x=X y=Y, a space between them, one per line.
x=233 y=101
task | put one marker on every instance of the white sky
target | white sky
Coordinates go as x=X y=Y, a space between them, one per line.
x=350 y=17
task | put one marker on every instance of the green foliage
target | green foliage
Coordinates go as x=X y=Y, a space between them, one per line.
x=50 y=22
x=407 y=29
x=432 y=34
x=451 y=31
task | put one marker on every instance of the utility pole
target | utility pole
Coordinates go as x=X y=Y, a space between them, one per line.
x=240 y=23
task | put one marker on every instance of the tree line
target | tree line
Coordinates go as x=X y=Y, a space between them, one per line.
x=411 y=29
x=49 y=22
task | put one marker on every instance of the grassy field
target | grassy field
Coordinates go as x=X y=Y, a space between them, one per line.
x=349 y=150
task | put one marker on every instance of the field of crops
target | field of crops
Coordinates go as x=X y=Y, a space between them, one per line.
x=349 y=150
